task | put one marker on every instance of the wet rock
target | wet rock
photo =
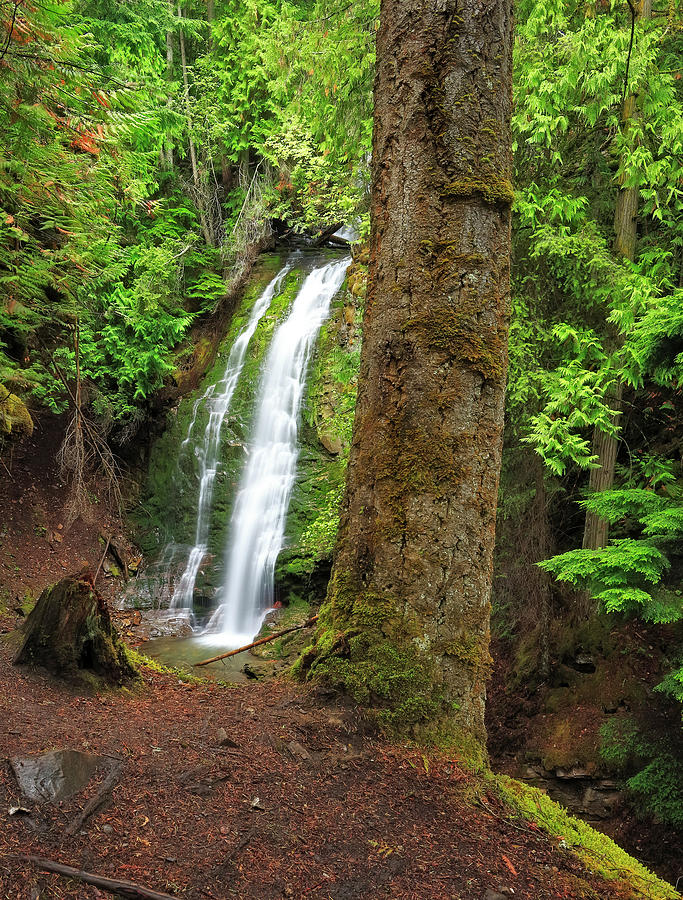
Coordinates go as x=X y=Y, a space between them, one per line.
x=582 y=662
x=574 y=772
x=54 y=776
x=255 y=671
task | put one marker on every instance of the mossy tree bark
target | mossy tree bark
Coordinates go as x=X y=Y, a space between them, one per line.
x=70 y=632
x=606 y=446
x=405 y=628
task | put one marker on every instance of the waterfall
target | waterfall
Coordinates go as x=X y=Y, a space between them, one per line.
x=217 y=399
x=257 y=526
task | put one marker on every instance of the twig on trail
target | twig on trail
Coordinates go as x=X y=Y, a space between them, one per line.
x=6 y=469
x=239 y=846
x=265 y=640
x=487 y=809
x=127 y=889
x=95 y=802
x=101 y=561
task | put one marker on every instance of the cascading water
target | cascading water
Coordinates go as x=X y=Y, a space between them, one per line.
x=217 y=399
x=258 y=521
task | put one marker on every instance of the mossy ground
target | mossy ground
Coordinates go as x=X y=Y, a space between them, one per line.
x=597 y=851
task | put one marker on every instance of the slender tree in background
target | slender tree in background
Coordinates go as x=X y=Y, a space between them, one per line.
x=606 y=444
x=405 y=628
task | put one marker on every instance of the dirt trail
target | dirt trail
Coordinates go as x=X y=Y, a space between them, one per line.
x=305 y=804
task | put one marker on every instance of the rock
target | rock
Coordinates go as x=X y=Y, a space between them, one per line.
x=70 y=631
x=494 y=895
x=332 y=443
x=296 y=749
x=582 y=662
x=223 y=740
x=253 y=671
x=107 y=829
x=574 y=772
x=54 y=776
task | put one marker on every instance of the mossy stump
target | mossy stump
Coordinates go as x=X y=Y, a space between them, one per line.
x=70 y=633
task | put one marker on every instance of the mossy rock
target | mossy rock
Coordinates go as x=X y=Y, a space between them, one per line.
x=70 y=633
x=14 y=415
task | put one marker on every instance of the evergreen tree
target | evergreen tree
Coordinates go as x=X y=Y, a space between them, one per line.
x=405 y=627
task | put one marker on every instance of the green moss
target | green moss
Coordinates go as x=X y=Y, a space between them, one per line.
x=370 y=647
x=598 y=852
x=493 y=189
x=141 y=661
x=14 y=415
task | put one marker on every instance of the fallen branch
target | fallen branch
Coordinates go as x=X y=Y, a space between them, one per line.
x=101 y=561
x=325 y=234
x=338 y=241
x=265 y=640
x=126 y=889
x=239 y=846
x=95 y=802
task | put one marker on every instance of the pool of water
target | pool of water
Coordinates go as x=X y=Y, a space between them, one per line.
x=183 y=652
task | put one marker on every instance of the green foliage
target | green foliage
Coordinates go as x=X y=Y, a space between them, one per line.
x=587 y=322
x=652 y=768
x=85 y=245
x=629 y=576
x=104 y=224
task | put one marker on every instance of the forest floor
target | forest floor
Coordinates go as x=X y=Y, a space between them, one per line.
x=299 y=800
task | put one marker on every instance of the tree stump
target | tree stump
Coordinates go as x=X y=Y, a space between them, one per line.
x=70 y=633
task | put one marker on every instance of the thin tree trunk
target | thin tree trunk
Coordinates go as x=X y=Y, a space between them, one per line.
x=606 y=446
x=542 y=550
x=405 y=628
x=196 y=180
x=168 y=149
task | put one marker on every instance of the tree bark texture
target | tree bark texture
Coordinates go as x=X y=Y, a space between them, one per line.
x=405 y=628
x=605 y=447
x=168 y=144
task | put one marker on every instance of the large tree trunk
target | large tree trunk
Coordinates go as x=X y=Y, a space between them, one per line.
x=606 y=446
x=70 y=631
x=405 y=628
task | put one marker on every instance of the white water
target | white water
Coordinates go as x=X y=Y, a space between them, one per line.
x=217 y=399
x=258 y=521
